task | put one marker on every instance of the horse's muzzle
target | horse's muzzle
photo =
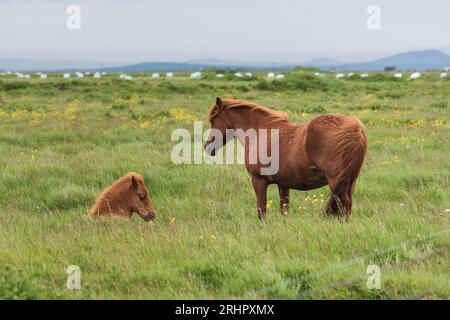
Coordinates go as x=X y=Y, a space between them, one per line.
x=149 y=216
x=209 y=149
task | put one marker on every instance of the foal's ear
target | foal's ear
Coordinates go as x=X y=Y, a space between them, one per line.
x=134 y=182
x=218 y=102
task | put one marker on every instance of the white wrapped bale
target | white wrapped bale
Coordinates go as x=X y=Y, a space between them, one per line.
x=196 y=75
x=415 y=75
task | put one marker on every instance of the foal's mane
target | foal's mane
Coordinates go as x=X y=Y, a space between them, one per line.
x=273 y=115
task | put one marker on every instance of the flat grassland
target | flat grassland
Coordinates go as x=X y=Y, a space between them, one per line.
x=63 y=141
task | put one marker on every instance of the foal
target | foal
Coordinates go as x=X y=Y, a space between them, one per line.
x=125 y=196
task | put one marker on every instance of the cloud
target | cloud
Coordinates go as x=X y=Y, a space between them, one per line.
x=282 y=30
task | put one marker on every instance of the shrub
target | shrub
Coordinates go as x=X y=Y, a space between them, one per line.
x=119 y=106
x=391 y=95
x=440 y=105
x=8 y=86
x=302 y=83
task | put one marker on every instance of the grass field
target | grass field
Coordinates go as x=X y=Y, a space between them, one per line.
x=63 y=141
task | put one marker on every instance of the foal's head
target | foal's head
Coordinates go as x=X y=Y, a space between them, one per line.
x=138 y=199
x=217 y=137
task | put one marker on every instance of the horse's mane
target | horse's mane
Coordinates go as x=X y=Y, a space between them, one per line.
x=274 y=115
x=115 y=187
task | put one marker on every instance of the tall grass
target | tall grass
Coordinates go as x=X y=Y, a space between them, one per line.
x=62 y=142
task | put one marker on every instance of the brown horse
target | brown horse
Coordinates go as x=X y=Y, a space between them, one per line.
x=328 y=150
x=127 y=195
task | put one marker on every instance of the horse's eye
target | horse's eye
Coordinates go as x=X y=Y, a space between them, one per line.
x=142 y=196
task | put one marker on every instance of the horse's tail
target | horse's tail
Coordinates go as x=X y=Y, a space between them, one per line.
x=350 y=149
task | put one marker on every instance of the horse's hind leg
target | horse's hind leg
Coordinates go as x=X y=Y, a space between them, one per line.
x=284 y=199
x=340 y=203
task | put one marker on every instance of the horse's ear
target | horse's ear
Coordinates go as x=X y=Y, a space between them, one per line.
x=218 y=102
x=134 y=182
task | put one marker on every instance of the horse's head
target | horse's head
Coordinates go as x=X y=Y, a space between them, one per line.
x=139 y=200
x=217 y=137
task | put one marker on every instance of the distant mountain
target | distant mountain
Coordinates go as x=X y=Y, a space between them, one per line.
x=163 y=66
x=194 y=65
x=417 y=60
x=413 y=60
x=27 y=65
x=213 y=62
x=157 y=66
x=321 y=62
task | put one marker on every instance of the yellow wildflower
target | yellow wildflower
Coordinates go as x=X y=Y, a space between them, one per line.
x=181 y=114
x=144 y=125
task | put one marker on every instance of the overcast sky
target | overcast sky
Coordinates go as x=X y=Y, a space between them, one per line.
x=241 y=30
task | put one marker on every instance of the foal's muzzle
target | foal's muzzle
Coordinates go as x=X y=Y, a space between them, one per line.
x=149 y=216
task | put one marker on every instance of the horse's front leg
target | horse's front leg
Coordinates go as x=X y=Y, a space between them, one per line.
x=260 y=187
x=284 y=199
